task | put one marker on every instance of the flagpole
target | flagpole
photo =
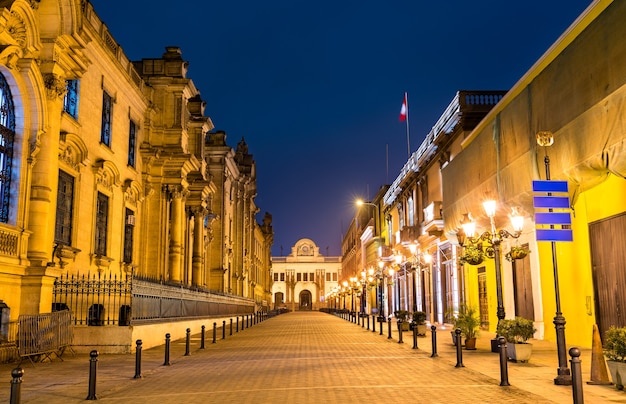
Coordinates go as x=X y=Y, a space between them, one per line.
x=408 y=138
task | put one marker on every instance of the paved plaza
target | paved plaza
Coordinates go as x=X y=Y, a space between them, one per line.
x=305 y=357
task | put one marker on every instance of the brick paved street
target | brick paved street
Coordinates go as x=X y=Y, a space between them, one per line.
x=304 y=357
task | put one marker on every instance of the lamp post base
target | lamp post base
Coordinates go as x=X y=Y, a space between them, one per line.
x=563 y=379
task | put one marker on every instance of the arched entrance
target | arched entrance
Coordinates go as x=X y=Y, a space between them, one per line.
x=306 y=300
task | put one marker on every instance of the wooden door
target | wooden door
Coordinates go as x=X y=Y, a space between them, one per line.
x=522 y=285
x=607 y=240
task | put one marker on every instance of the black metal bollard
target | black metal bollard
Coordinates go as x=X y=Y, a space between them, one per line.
x=214 y=332
x=504 y=370
x=202 y=331
x=138 y=359
x=231 y=326
x=400 y=341
x=223 y=329
x=577 y=381
x=167 y=350
x=243 y=323
x=389 y=328
x=187 y=341
x=247 y=321
x=16 y=385
x=414 y=326
x=433 y=337
x=373 y=322
x=93 y=369
x=459 y=351
x=368 y=322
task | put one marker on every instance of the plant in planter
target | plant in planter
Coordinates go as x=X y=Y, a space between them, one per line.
x=516 y=253
x=419 y=321
x=517 y=332
x=403 y=317
x=615 y=352
x=472 y=255
x=468 y=321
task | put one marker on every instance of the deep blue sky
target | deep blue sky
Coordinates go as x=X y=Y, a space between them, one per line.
x=316 y=87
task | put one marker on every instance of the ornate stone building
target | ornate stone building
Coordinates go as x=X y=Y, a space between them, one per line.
x=112 y=179
x=305 y=278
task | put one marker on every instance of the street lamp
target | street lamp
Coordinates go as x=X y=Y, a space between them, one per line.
x=564 y=377
x=492 y=238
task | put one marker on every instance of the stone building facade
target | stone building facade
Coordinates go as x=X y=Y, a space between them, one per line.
x=113 y=175
x=304 y=279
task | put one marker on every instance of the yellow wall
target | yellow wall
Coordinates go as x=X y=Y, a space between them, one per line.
x=574 y=264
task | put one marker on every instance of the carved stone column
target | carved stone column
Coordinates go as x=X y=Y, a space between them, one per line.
x=198 y=244
x=45 y=177
x=176 y=227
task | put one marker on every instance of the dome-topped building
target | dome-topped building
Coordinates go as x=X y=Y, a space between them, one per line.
x=303 y=278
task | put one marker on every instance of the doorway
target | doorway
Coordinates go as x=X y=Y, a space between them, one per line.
x=607 y=239
x=306 y=300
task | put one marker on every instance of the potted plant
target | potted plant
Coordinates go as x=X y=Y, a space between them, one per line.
x=403 y=317
x=517 y=332
x=516 y=253
x=419 y=321
x=468 y=321
x=615 y=352
x=472 y=255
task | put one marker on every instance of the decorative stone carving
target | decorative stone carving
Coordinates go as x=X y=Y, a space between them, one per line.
x=55 y=86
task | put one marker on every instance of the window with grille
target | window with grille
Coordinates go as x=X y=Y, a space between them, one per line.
x=102 y=211
x=282 y=277
x=65 y=207
x=132 y=138
x=70 y=102
x=129 y=227
x=7 y=136
x=107 y=109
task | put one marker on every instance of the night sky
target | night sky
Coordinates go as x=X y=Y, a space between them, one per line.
x=316 y=87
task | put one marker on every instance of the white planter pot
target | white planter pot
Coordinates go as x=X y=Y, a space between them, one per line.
x=519 y=352
x=618 y=373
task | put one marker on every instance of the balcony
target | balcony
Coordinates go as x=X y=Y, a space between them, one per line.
x=433 y=219
x=409 y=234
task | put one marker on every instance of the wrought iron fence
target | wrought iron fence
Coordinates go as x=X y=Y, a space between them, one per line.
x=94 y=299
x=97 y=301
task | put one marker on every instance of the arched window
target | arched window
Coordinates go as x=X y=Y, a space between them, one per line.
x=7 y=136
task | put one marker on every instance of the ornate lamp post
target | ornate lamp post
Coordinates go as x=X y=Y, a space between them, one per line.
x=564 y=377
x=492 y=238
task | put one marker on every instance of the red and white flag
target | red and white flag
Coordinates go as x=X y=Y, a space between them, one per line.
x=404 y=110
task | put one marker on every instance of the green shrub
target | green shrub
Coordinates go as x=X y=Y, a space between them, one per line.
x=516 y=331
x=615 y=344
x=419 y=317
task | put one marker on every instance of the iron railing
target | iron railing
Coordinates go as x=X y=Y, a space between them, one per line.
x=97 y=301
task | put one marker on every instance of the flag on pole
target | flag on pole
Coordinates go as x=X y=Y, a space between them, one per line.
x=404 y=110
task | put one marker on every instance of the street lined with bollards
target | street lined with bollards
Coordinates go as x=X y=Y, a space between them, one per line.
x=308 y=357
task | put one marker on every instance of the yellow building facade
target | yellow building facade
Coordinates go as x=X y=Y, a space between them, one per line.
x=581 y=104
x=110 y=177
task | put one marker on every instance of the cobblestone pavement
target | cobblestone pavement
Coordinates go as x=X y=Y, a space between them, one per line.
x=305 y=357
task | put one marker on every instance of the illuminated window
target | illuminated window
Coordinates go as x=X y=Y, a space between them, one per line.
x=7 y=136
x=107 y=109
x=129 y=229
x=102 y=212
x=65 y=207
x=70 y=102
x=132 y=139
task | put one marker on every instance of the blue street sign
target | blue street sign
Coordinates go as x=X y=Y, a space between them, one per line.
x=551 y=202
x=554 y=235
x=553 y=218
x=549 y=186
x=545 y=214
